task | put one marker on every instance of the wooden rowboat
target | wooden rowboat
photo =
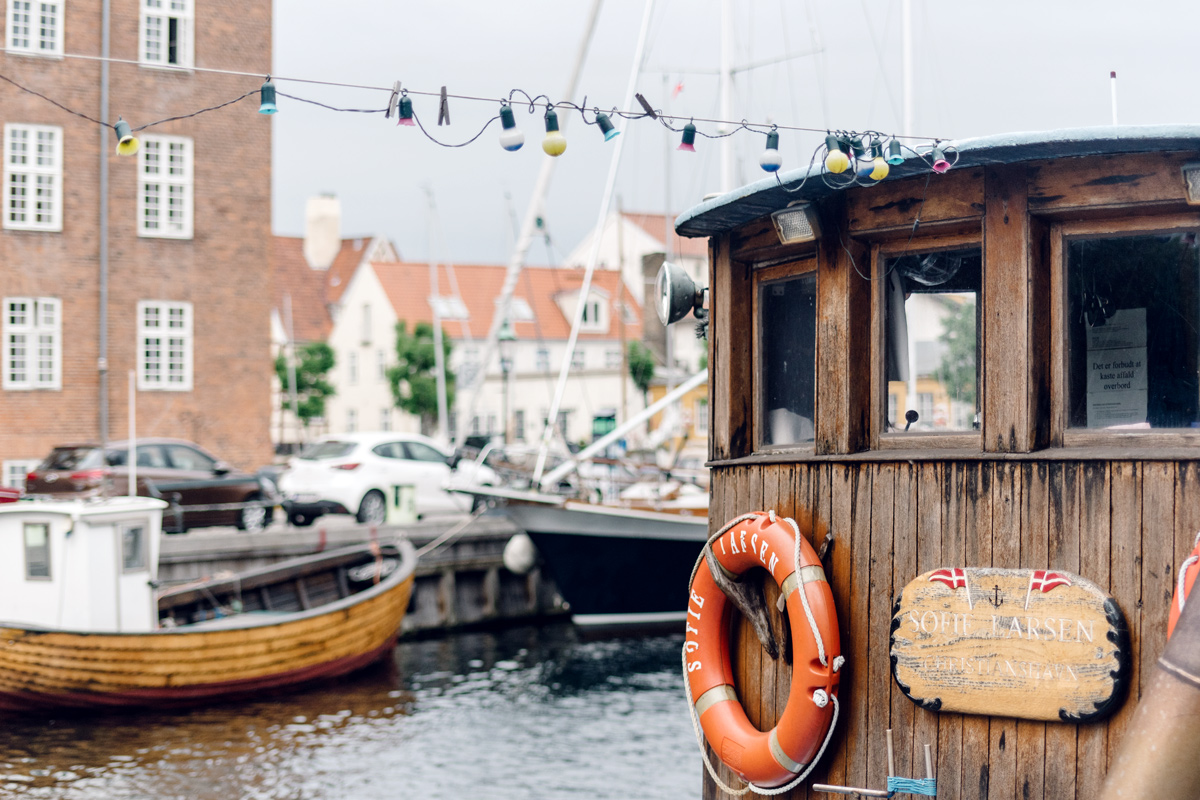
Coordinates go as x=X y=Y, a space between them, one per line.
x=310 y=618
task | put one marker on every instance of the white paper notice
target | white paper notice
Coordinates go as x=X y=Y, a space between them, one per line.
x=1117 y=370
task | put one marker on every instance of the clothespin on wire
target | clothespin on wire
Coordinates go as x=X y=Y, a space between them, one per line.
x=650 y=112
x=393 y=101
x=444 y=110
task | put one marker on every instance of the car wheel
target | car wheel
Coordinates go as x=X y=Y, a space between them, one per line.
x=373 y=509
x=255 y=518
x=300 y=520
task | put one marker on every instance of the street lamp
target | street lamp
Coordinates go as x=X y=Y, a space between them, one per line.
x=505 y=340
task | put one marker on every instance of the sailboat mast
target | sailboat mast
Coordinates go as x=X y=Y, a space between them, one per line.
x=439 y=356
x=727 y=92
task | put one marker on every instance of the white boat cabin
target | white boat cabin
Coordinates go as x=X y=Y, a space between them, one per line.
x=84 y=566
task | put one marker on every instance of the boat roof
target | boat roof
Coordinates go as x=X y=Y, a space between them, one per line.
x=81 y=507
x=747 y=203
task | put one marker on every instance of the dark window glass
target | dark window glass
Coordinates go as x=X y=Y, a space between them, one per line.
x=1133 y=326
x=418 y=451
x=37 y=550
x=319 y=450
x=931 y=340
x=133 y=547
x=186 y=458
x=72 y=458
x=788 y=331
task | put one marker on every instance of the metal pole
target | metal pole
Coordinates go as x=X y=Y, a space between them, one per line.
x=132 y=492
x=291 y=365
x=439 y=357
x=909 y=105
x=726 y=93
x=1112 y=76
x=605 y=202
x=528 y=229
x=102 y=337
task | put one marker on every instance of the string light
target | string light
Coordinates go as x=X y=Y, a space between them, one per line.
x=895 y=157
x=555 y=144
x=940 y=164
x=511 y=137
x=404 y=113
x=266 y=103
x=127 y=143
x=836 y=160
x=770 y=160
x=606 y=127
x=689 y=138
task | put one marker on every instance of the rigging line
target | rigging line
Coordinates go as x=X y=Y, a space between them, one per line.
x=821 y=66
x=882 y=75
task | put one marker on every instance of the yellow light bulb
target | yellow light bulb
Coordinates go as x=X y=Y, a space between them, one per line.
x=554 y=144
x=837 y=161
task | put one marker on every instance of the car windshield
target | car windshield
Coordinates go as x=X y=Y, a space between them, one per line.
x=72 y=458
x=318 y=450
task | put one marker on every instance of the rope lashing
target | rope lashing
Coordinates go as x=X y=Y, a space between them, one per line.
x=922 y=786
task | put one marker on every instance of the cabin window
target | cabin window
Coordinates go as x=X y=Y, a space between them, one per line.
x=37 y=550
x=931 y=341
x=786 y=358
x=1133 y=331
x=133 y=547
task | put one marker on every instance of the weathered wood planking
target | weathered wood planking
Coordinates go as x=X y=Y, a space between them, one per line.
x=953 y=197
x=1123 y=525
x=1106 y=181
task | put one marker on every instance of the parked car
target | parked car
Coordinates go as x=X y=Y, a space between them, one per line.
x=180 y=472
x=352 y=473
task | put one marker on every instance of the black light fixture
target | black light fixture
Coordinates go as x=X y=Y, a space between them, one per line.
x=676 y=294
x=796 y=223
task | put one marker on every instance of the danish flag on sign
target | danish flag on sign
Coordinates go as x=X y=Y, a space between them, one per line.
x=954 y=578
x=1044 y=580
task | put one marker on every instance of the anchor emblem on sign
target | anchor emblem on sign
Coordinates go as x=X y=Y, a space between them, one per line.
x=996 y=601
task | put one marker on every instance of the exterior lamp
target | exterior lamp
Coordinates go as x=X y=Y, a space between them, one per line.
x=555 y=144
x=606 y=127
x=895 y=157
x=677 y=294
x=770 y=160
x=796 y=223
x=406 y=111
x=836 y=160
x=511 y=137
x=879 y=164
x=689 y=138
x=266 y=102
x=127 y=143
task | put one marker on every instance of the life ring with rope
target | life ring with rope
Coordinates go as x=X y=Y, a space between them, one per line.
x=1188 y=571
x=788 y=752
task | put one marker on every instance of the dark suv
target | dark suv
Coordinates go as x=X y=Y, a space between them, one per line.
x=202 y=490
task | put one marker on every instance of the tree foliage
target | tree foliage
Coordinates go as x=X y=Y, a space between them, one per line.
x=641 y=367
x=957 y=369
x=313 y=362
x=414 y=377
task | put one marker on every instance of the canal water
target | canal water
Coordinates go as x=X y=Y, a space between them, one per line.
x=524 y=713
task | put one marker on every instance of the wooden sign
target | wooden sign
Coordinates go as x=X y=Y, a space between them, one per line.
x=1035 y=644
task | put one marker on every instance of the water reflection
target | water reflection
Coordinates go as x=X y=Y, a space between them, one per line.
x=525 y=713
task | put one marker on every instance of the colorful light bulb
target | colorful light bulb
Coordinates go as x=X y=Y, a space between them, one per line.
x=606 y=127
x=511 y=137
x=880 y=166
x=266 y=98
x=770 y=160
x=836 y=160
x=940 y=165
x=555 y=144
x=895 y=157
x=406 y=112
x=127 y=143
x=689 y=138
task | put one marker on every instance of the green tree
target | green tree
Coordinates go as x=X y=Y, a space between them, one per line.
x=313 y=362
x=641 y=368
x=957 y=370
x=414 y=378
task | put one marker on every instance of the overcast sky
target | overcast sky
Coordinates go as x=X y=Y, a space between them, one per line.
x=980 y=68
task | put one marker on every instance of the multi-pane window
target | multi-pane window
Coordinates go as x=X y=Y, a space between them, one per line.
x=133 y=547
x=519 y=425
x=165 y=187
x=381 y=358
x=543 y=360
x=32 y=357
x=351 y=420
x=385 y=419
x=35 y=27
x=33 y=177
x=700 y=420
x=165 y=36
x=612 y=357
x=164 y=346
x=931 y=340
x=15 y=472
x=1133 y=346
x=577 y=358
x=352 y=367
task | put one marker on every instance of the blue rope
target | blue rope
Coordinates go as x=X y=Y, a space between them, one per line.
x=925 y=786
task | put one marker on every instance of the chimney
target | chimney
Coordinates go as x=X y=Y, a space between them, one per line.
x=322 y=230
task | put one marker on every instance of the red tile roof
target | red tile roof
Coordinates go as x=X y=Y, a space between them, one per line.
x=408 y=289
x=292 y=276
x=656 y=225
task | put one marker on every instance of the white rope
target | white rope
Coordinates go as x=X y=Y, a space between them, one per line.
x=1187 y=563
x=812 y=621
x=817 y=696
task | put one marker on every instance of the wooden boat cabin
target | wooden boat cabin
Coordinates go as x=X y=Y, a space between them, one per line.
x=987 y=371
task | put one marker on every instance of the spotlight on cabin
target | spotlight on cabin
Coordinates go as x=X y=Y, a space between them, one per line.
x=797 y=223
x=1191 y=182
x=677 y=294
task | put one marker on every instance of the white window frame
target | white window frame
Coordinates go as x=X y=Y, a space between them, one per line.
x=157 y=15
x=385 y=419
x=29 y=35
x=167 y=180
x=142 y=542
x=46 y=531
x=155 y=326
x=15 y=471
x=381 y=356
x=700 y=416
x=352 y=367
x=37 y=330
x=577 y=358
x=612 y=358
x=38 y=168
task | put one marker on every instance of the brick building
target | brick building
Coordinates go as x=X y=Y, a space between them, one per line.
x=186 y=224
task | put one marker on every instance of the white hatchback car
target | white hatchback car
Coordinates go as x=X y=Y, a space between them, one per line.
x=352 y=473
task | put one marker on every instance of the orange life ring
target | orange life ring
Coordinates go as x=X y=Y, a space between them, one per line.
x=1187 y=576
x=772 y=758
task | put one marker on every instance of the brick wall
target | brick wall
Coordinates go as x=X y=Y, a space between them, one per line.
x=223 y=270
